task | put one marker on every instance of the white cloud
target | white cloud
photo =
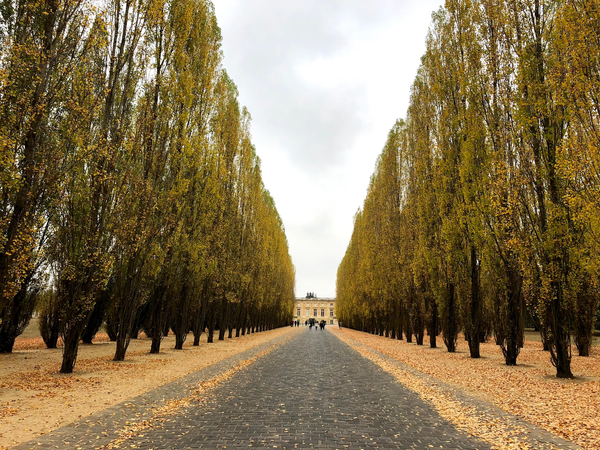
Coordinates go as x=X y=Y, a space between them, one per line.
x=324 y=81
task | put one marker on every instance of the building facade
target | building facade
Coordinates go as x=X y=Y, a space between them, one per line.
x=315 y=308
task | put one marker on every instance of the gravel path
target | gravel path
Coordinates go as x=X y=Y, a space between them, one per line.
x=312 y=392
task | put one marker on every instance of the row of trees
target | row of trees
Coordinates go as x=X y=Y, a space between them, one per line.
x=484 y=206
x=130 y=191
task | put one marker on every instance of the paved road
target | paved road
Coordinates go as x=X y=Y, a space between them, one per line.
x=312 y=392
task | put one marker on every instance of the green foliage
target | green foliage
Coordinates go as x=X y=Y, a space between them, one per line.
x=498 y=183
x=127 y=164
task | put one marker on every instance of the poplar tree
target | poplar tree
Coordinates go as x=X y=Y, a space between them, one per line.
x=43 y=53
x=131 y=191
x=500 y=208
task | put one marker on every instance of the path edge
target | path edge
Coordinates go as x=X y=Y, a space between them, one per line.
x=102 y=427
x=535 y=435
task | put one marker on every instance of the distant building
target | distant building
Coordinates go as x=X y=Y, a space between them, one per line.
x=316 y=308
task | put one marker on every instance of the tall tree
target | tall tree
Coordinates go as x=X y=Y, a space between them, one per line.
x=44 y=46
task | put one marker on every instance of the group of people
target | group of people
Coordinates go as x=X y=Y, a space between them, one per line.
x=312 y=322
x=318 y=325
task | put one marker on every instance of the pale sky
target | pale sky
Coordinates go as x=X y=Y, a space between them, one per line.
x=324 y=81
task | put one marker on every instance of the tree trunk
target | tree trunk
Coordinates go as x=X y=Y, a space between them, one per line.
x=157 y=317
x=96 y=319
x=474 y=345
x=433 y=323
x=545 y=340
x=224 y=320
x=126 y=314
x=211 y=327
x=561 y=342
x=155 y=346
x=511 y=343
x=7 y=343
x=71 y=345
x=510 y=352
x=432 y=341
x=473 y=331
x=52 y=339
x=583 y=349
x=122 y=344
x=420 y=336
x=418 y=322
x=400 y=325
x=179 y=340
x=450 y=329
x=16 y=317
x=585 y=313
x=200 y=323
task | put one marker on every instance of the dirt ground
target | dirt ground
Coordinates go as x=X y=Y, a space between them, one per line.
x=35 y=398
x=567 y=408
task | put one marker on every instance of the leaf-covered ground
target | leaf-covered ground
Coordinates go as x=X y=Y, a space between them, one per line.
x=35 y=398
x=171 y=408
x=567 y=408
x=37 y=343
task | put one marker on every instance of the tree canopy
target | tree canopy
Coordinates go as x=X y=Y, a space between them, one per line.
x=130 y=190
x=483 y=209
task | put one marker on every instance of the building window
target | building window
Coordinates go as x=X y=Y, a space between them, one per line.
x=315 y=312
x=331 y=304
x=322 y=312
x=331 y=313
x=307 y=312
x=298 y=312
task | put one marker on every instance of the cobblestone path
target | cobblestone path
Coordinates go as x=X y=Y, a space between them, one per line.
x=312 y=392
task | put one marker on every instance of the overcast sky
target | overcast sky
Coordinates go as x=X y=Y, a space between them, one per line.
x=324 y=81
